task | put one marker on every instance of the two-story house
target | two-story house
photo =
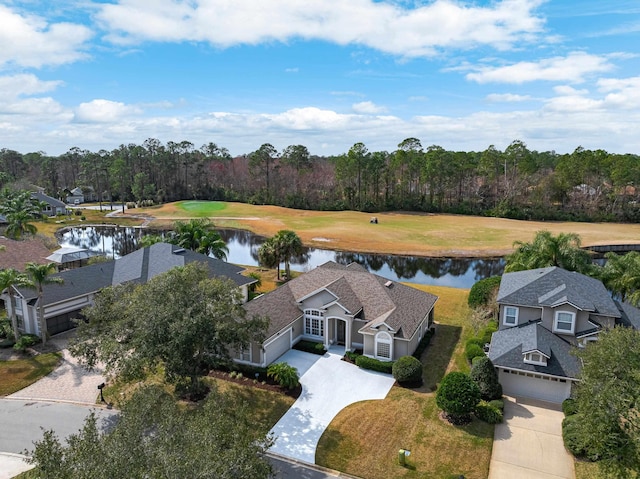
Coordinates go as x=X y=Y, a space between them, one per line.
x=544 y=313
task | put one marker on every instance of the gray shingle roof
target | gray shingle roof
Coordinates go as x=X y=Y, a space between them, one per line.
x=402 y=307
x=629 y=315
x=509 y=345
x=48 y=199
x=553 y=286
x=139 y=267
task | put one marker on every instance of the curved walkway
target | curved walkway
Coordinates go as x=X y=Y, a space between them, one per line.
x=328 y=386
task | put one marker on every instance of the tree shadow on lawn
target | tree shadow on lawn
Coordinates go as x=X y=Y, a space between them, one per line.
x=437 y=356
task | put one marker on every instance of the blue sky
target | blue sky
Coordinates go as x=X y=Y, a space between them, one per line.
x=326 y=74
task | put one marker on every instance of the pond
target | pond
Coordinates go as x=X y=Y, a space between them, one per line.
x=243 y=249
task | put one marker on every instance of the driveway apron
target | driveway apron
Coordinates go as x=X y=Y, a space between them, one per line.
x=528 y=444
x=69 y=382
x=328 y=386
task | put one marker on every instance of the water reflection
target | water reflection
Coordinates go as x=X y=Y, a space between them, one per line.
x=243 y=249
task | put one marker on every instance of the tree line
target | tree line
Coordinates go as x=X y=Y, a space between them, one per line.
x=515 y=183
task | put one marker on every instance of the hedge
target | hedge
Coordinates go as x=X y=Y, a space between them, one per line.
x=488 y=413
x=569 y=407
x=310 y=347
x=472 y=351
x=366 y=362
x=424 y=342
x=481 y=292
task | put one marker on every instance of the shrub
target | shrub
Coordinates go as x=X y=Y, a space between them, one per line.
x=407 y=369
x=575 y=443
x=499 y=403
x=352 y=356
x=26 y=341
x=130 y=205
x=569 y=407
x=310 y=347
x=478 y=341
x=457 y=396
x=481 y=292
x=486 y=332
x=424 y=342
x=488 y=413
x=77 y=212
x=472 y=351
x=485 y=376
x=284 y=374
x=366 y=362
x=83 y=218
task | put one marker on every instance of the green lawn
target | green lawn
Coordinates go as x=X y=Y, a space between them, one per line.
x=201 y=208
x=364 y=438
x=19 y=373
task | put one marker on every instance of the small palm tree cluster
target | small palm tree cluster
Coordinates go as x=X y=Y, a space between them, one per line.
x=546 y=250
x=197 y=235
x=285 y=245
x=19 y=209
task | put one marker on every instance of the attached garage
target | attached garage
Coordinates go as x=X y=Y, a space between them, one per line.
x=277 y=346
x=535 y=386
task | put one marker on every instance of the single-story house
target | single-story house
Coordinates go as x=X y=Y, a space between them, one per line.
x=344 y=306
x=51 y=206
x=545 y=313
x=63 y=302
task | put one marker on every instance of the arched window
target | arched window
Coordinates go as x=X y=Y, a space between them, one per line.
x=384 y=345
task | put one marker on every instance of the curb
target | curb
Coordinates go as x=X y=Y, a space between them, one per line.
x=62 y=401
x=308 y=465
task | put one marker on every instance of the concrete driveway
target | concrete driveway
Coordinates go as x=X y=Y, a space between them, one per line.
x=528 y=444
x=328 y=386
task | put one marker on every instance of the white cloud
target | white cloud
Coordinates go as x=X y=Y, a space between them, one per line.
x=103 y=111
x=368 y=107
x=292 y=70
x=28 y=41
x=507 y=97
x=385 y=26
x=13 y=86
x=572 y=68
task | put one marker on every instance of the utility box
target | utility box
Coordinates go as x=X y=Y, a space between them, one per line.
x=401 y=458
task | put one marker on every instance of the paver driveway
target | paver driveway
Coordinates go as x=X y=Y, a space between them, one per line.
x=528 y=444
x=328 y=386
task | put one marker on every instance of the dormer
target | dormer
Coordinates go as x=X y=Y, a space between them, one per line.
x=535 y=357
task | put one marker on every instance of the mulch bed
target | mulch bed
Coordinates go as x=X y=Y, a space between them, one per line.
x=269 y=385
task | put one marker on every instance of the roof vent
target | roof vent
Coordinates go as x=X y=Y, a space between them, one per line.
x=388 y=283
x=179 y=251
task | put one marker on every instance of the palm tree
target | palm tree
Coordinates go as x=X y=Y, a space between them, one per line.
x=269 y=256
x=8 y=278
x=148 y=240
x=545 y=250
x=19 y=209
x=198 y=235
x=289 y=245
x=621 y=275
x=39 y=276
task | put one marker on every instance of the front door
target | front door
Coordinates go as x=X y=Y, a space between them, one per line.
x=340 y=333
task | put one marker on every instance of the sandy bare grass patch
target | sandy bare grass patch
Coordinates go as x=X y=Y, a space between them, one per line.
x=397 y=233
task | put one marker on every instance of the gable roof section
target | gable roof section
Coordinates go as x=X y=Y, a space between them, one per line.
x=399 y=306
x=509 y=345
x=139 y=266
x=554 y=286
x=629 y=315
x=48 y=199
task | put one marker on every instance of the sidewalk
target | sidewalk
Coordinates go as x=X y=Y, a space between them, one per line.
x=12 y=464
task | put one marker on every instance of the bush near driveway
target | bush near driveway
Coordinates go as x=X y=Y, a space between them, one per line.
x=457 y=396
x=285 y=374
x=484 y=373
x=407 y=370
x=366 y=362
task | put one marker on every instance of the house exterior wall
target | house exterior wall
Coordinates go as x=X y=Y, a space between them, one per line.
x=357 y=338
x=368 y=348
x=525 y=314
x=400 y=348
x=297 y=328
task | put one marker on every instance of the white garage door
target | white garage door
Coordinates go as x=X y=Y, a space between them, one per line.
x=534 y=386
x=277 y=347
